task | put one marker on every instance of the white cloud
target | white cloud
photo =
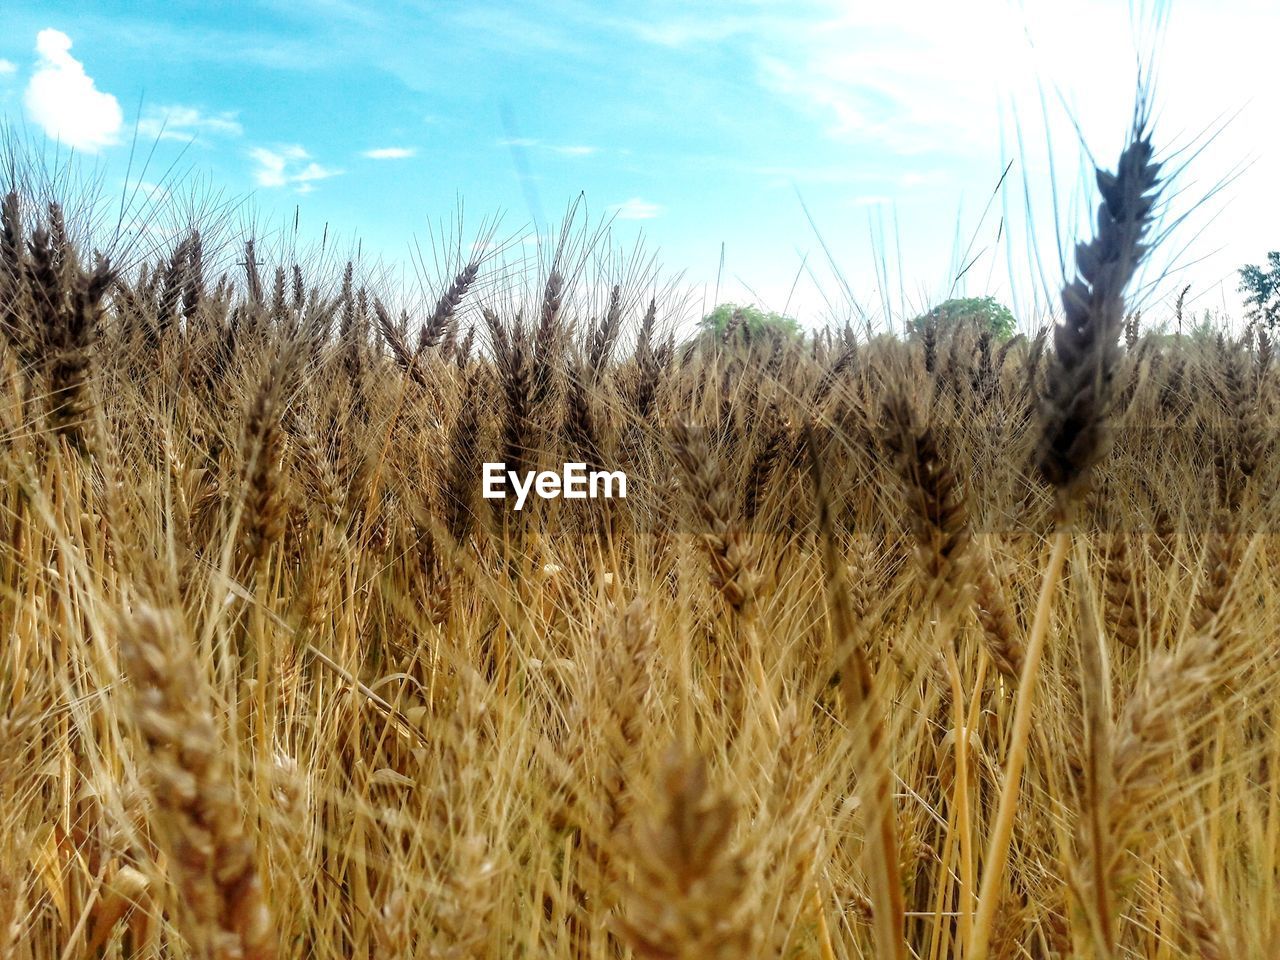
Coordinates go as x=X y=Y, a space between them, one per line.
x=63 y=100
x=187 y=123
x=7 y=66
x=635 y=209
x=570 y=150
x=390 y=153
x=872 y=76
x=288 y=166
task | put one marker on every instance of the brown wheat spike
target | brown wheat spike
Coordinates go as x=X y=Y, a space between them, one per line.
x=1078 y=387
x=617 y=709
x=1006 y=348
x=407 y=360
x=1265 y=353
x=732 y=563
x=1202 y=921
x=1145 y=744
x=580 y=422
x=1221 y=559
x=72 y=304
x=1250 y=434
x=262 y=452
x=736 y=321
x=687 y=899
x=298 y=290
x=11 y=244
x=764 y=464
x=929 y=344
x=446 y=307
x=999 y=628
x=463 y=354
x=605 y=335
x=546 y=340
x=64 y=253
x=832 y=376
x=12 y=319
x=349 y=326
x=253 y=279
x=515 y=374
x=193 y=279
x=1120 y=589
x=279 y=297
x=464 y=463
x=449 y=343
x=644 y=393
x=1075 y=405
x=936 y=514
x=212 y=860
x=323 y=573
x=1182 y=299
x=170 y=294
x=631 y=657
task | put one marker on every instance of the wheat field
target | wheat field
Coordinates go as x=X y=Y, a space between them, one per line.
x=901 y=647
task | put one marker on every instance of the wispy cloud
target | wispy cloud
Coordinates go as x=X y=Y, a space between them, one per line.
x=635 y=209
x=64 y=101
x=689 y=31
x=288 y=166
x=929 y=77
x=389 y=153
x=187 y=123
x=567 y=150
x=7 y=67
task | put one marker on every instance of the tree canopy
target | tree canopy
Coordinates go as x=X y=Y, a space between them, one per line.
x=756 y=320
x=982 y=312
x=1262 y=287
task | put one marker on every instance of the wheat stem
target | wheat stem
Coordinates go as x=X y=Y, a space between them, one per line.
x=1002 y=829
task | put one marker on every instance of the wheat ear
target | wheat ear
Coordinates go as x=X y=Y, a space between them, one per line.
x=1075 y=407
x=211 y=857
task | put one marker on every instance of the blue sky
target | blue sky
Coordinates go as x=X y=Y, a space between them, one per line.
x=694 y=125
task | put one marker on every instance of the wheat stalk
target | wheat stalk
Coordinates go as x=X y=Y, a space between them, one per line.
x=1075 y=407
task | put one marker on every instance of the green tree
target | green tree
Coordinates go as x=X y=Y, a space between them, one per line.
x=983 y=312
x=1262 y=287
x=755 y=319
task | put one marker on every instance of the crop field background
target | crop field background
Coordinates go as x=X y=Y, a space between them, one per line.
x=937 y=645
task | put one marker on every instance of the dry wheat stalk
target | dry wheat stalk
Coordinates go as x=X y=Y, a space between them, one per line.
x=1074 y=438
x=864 y=718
